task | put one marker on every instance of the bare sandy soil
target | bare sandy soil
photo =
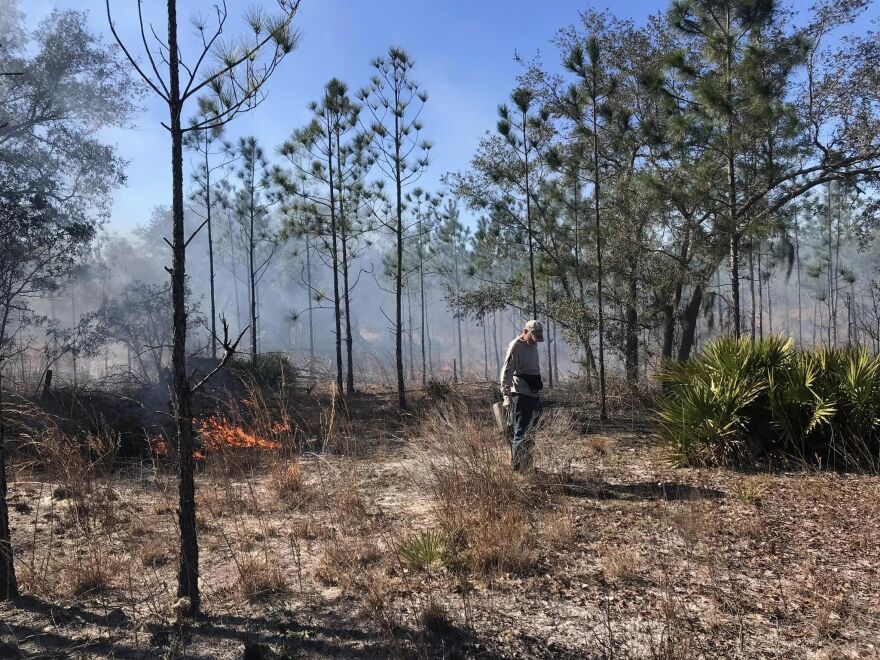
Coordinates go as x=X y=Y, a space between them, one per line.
x=608 y=552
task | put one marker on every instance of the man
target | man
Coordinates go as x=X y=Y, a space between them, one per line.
x=521 y=386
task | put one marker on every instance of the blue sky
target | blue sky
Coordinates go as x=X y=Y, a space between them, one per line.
x=464 y=52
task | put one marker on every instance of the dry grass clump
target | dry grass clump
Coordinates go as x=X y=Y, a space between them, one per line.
x=355 y=565
x=835 y=609
x=286 y=481
x=620 y=564
x=480 y=504
x=690 y=523
x=375 y=592
x=751 y=491
x=153 y=555
x=259 y=578
x=347 y=499
x=558 y=530
x=435 y=620
x=345 y=559
x=90 y=571
x=75 y=464
x=36 y=577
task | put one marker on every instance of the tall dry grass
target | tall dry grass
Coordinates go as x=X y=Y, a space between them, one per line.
x=480 y=504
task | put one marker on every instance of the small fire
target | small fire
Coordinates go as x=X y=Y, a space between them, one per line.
x=158 y=446
x=218 y=433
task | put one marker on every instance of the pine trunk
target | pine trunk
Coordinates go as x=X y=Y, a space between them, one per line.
x=188 y=570
x=529 y=219
x=409 y=316
x=760 y=297
x=495 y=343
x=458 y=318
x=210 y=253
x=311 y=312
x=752 y=289
x=398 y=276
x=334 y=260
x=486 y=352
x=346 y=291
x=603 y=410
x=797 y=255
x=632 y=331
x=424 y=322
x=252 y=276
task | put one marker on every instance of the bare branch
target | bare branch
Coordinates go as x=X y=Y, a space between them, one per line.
x=131 y=59
x=229 y=348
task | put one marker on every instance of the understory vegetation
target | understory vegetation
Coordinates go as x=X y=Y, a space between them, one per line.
x=742 y=400
x=337 y=533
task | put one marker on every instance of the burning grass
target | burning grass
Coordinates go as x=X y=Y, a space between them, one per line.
x=219 y=434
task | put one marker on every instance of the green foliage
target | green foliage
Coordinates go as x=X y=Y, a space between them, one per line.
x=744 y=399
x=423 y=551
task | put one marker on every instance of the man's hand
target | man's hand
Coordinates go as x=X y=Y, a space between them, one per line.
x=505 y=392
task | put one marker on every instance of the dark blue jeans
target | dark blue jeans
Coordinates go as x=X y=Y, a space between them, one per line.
x=525 y=410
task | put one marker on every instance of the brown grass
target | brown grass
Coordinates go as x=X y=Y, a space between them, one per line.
x=286 y=481
x=153 y=555
x=478 y=501
x=90 y=571
x=259 y=577
x=621 y=563
x=344 y=559
x=775 y=565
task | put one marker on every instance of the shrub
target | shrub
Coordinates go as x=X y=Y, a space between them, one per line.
x=272 y=370
x=743 y=399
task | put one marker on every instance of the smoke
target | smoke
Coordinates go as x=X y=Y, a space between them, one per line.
x=129 y=270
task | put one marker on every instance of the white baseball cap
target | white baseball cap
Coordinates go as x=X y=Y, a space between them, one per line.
x=535 y=329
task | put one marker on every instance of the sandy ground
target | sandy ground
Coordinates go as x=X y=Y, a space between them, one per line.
x=633 y=558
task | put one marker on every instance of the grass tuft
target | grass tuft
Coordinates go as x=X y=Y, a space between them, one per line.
x=423 y=551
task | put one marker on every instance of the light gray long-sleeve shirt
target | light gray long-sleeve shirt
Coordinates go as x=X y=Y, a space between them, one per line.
x=521 y=357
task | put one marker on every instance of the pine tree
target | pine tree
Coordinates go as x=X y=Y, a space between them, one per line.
x=395 y=101
x=591 y=110
x=738 y=74
x=256 y=232
x=205 y=178
x=329 y=164
x=521 y=129
x=242 y=69
x=424 y=207
x=453 y=262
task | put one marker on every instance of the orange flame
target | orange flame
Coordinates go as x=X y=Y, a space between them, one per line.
x=218 y=433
